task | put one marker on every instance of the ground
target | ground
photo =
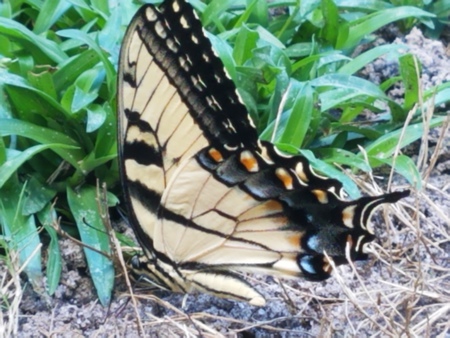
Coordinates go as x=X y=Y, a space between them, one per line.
x=403 y=290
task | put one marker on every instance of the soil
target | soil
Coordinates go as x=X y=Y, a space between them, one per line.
x=402 y=290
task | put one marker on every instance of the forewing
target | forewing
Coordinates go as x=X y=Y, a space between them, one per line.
x=170 y=106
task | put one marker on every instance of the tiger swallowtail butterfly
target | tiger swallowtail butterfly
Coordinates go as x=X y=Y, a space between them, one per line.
x=206 y=198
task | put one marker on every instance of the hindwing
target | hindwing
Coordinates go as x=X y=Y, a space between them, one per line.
x=205 y=196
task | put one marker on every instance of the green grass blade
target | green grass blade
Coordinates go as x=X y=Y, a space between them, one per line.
x=410 y=70
x=343 y=157
x=70 y=70
x=352 y=86
x=38 y=195
x=22 y=232
x=367 y=57
x=385 y=146
x=215 y=9
x=245 y=43
x=47 y=217
x=16 y=159
x=37 y=100
x=331 y=18
x=64 y=146
x=83 y=37
x=370 y=23
x=83 y=205
x=300 y=115
x=42 y=49
x=51 y=11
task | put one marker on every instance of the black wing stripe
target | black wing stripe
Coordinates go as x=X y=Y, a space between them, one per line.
x=141 y=144
x=145 y=203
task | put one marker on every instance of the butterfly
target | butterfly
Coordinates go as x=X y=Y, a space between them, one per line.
x=206 y=198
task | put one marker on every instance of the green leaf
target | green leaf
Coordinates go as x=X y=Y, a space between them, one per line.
x=42 y=49
x=260 y=12
x=47 y=217
x=37 y=101
x=5 y=10
x=81 y=99
x=244 y=45
x=348 y=87
x=370 y=23
x=5 y=107
x=343 y=157
x=301 y=114
x=72 y=68
x=90 y=162
x=368 y=132
x=367 y=57
x=363 y=5
x=410 y=70
x=96 y=117
x=37 y=196
x=442 y=97
x=84 y=207
x=22 y=232
x=43 y=82
x=105 y=143
x=49 y=13
x=101 y=7
x=330 y=59
x=298 y=50
x=338 y=97
x=64 y=146
x=2 y=151
x=16 y=159
x=214 y=9
x=84 y=91
x=83 y=37
x=331 y=19
x=385 y=146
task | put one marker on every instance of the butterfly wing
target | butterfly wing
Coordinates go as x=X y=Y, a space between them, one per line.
x=168 y=111
x=205 y=196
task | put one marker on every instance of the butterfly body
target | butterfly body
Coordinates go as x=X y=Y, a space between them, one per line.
x=206 y=198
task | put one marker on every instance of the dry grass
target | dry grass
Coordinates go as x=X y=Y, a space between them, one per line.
x=11 y=295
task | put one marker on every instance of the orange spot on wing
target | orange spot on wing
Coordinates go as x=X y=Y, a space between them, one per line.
x=215 y=155
x=321 y=196
x=347 y=216
x=249 y=161
x=285 y=177
x=295 y=239
x=273 y=206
